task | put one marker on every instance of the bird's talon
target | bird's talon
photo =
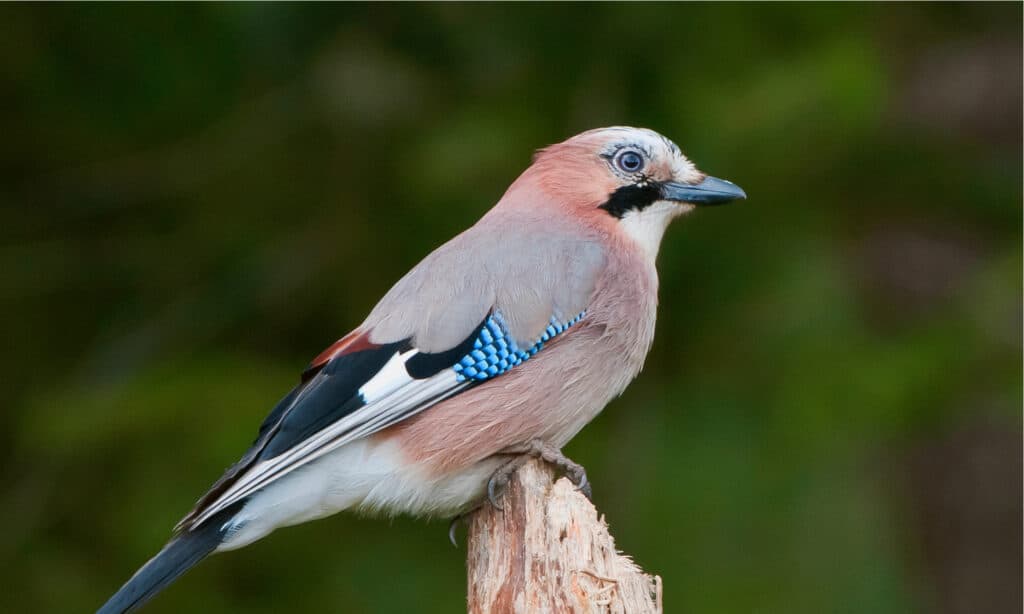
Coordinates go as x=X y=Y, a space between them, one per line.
x=452 y=526
x=583 y=485
x=492 y=496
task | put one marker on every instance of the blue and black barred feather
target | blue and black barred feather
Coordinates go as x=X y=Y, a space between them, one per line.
x=495 y=351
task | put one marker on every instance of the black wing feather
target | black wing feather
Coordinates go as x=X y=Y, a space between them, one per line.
x=326 y=395
x=332 y=394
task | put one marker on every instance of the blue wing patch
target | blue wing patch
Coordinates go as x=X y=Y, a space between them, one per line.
x=495 y=351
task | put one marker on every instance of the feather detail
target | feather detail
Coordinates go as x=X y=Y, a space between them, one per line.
x=393 y=408
x=360 y=393
x=533 y=268
x=355 y=341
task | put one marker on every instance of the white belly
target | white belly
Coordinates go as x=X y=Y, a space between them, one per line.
x=369 y=476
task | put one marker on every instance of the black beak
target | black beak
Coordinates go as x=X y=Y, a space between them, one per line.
x=711 y=191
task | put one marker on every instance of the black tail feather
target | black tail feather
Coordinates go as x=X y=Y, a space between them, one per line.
x=177 y=557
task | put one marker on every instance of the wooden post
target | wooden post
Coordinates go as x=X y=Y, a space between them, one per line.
x=548 y=552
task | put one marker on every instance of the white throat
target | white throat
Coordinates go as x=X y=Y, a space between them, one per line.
x=647 y=226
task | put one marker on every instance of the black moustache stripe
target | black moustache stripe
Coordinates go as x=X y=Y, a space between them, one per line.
x=635 y=197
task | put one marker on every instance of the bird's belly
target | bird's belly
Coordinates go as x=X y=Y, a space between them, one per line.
x=370 y=476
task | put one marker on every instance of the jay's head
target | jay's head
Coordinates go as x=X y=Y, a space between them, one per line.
x=634 y=177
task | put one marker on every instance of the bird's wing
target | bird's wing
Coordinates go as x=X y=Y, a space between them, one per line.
x=395 y=365
x=531 y=270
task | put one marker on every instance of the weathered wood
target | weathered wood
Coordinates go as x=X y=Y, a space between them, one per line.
x=549 y=552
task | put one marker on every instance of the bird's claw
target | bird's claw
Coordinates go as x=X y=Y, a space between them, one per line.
x=583 y=485
x=577 y=475
x=452 y=527
x=492 y=493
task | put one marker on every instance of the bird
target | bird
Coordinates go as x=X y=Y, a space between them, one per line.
x=499 y=346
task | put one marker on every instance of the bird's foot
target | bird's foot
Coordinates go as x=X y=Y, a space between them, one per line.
x=501 y=477
x=537 y=448
x=572 y=470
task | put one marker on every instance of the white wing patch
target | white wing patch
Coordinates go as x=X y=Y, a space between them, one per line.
x=391 y=377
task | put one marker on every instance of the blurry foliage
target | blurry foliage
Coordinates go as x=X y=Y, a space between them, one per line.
x=196 y=199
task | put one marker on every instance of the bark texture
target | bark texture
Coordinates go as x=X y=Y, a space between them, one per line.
x=549 y=552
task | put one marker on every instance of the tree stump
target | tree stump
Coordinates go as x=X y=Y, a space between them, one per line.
x=549 y=552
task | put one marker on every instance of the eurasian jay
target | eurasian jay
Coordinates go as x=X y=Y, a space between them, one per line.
x=503 y=342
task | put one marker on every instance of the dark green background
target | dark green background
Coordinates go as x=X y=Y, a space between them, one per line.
x=196 y=199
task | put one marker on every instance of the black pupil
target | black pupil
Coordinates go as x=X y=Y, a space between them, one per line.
x=630 y=161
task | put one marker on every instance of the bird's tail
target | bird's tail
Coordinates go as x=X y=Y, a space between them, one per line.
x=177 y=557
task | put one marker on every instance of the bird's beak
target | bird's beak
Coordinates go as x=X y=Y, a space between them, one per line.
x=710 y=191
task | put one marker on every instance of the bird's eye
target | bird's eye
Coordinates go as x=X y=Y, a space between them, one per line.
x=629 y=161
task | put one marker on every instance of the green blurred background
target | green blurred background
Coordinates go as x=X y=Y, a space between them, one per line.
x=196 y=199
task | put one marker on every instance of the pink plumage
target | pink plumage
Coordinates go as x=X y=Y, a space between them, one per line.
x=520 y=329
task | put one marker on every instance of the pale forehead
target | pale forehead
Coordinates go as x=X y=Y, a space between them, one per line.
x=655 y=145
x=649 y=140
